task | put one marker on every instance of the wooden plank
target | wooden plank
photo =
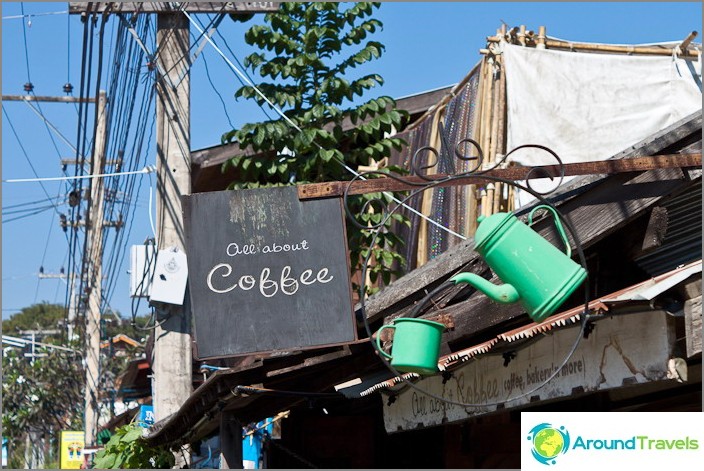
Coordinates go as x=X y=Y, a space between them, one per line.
x=75 y=8
x=54 y=99
x=606 y=167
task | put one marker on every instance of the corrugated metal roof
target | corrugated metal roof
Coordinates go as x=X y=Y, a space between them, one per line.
x=647 y=290
x=683 y=239
x=644 y=291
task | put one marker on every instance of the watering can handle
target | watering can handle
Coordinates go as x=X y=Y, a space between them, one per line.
x=558 y=224
x=378 y=338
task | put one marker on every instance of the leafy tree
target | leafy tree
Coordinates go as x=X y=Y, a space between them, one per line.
x=309 y=51
x=45 y=396
x=42 y=316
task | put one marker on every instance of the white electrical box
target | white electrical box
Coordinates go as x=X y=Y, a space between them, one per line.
x=142 y=263
x=170 y=277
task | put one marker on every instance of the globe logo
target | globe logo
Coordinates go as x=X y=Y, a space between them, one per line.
x=548 y=442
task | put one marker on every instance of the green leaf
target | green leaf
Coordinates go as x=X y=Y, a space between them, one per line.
x=132 y=435
x=105 y=461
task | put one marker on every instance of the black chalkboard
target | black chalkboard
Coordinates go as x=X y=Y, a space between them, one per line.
x=267 y=272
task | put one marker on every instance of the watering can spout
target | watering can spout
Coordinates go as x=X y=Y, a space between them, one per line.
x=505 y=293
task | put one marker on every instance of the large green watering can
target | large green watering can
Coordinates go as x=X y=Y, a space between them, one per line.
x=535 y=272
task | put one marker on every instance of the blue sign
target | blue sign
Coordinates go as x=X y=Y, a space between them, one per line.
x=146 y=416
x=252 y=443
x=4 y=452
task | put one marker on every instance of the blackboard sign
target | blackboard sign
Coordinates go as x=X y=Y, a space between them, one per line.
x=267 y=272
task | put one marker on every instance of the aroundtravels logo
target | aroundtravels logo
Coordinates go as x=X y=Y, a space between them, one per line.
x=548 y=442
x=612 y=440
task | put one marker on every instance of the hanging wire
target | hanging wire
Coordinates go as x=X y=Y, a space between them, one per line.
x=26 y=48
x=26 y=156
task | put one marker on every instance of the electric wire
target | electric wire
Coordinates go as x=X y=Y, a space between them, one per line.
x=222 y=101
x=13 y=206
x=39 y=211
x=26 y=156
x=115 y=259
x=26 y=49
x=27 y=210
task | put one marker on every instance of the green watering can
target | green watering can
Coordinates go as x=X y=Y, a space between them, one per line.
x=535 y=272
x=416 y=346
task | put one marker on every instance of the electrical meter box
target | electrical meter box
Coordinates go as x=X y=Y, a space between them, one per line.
x=170 y=277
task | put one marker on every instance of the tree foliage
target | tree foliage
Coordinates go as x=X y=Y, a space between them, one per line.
x=41 y=316
x=46 y=395
x=307 y=53
x=127 y=450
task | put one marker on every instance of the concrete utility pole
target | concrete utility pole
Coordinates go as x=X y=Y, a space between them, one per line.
x=93 y=275
x=172 y=363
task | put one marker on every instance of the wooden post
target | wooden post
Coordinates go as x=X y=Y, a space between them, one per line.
x=485 y=125
x=93 y=271
x=540 y=43
x=522 y=35
x=230 y=442
x=172 y=363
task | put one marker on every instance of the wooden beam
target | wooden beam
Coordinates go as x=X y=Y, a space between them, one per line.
x=605 y=167
x=75 y=8
x=55 y=99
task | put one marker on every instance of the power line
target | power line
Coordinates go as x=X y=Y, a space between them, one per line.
x=25 y=216
x=48 y=123
x=147 y=169
x=12 y=206
x=26 y=210
x=222 y=101
x=26 y=49
x=24 y=152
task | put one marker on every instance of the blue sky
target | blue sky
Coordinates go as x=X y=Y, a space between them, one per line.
x=428 y=45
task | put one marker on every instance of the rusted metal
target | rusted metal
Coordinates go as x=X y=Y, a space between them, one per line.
x=605 y=167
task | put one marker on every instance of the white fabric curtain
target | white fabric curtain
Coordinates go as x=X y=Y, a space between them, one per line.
x=591 y=106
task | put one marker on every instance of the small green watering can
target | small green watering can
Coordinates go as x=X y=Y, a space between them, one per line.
x=535 y=272
x=416 y=345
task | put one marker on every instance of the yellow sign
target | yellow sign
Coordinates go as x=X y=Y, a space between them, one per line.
x=71 y=449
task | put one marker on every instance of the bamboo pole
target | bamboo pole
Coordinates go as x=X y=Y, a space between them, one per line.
x=427 y=196
x=643 y=50
x=494 y=191
x=685 y=44
x=485 y=123
x=522 y=35
x=500 y=147
x=540 y=43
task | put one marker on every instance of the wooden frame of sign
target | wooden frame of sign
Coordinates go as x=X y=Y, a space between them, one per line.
x=267 y=272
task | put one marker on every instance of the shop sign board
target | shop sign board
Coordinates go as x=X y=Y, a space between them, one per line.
x=71 y=444
x=267 y=272
x=622 y=350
